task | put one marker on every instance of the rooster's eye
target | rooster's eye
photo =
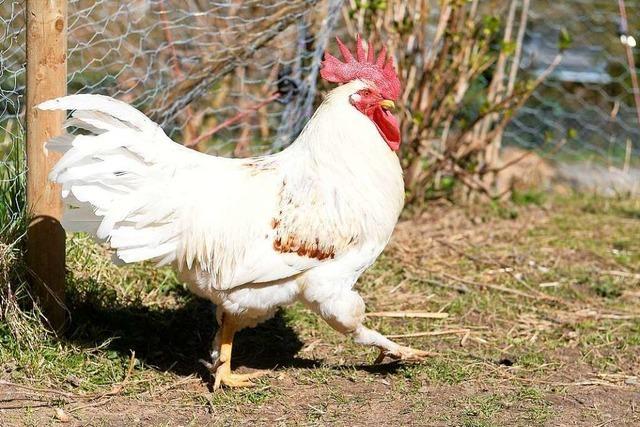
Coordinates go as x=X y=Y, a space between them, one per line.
x=365 y=92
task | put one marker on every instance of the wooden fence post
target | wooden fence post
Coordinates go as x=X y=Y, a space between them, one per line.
x=46 y=79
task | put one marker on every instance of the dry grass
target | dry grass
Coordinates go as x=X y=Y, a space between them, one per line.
x=539 y=324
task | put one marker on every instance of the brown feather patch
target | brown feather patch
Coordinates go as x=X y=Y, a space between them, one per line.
x=311 y=250
x=296 y=237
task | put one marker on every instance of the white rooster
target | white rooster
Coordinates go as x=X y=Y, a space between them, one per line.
x=252 y=234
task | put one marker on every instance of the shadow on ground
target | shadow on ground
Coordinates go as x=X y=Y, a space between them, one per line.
x=174 y=339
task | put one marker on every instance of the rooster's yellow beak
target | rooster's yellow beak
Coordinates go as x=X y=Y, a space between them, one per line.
x=387 y=104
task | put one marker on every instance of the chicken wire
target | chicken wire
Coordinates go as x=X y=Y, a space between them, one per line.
x=12 y=73
x=12 y=70
x=584 y=111
x=241 y=73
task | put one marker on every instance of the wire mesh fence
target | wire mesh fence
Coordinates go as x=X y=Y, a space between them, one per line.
x=584 y=111
x=196 y=67
x=12 y=74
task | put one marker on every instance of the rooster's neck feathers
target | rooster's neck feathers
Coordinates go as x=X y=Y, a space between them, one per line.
x=341 y=182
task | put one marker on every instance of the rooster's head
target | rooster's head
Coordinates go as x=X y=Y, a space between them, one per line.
x=381 y=80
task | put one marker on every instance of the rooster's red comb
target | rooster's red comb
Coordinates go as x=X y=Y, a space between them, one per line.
x=380 y=71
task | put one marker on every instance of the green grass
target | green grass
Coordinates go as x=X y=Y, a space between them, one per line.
x=12 y=194
x=531 y=197
x=479 y=410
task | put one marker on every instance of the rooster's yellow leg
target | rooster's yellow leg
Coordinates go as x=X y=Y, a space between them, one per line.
x=223 y=374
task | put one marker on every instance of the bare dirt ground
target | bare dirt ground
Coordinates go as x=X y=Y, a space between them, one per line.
x=535 y=320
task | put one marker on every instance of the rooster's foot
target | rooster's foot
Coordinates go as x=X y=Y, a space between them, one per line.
x=224 y=376
x=403 y=353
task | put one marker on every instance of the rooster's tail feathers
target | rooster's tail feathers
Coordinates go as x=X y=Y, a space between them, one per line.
x=101 y=112
x=116 y=178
